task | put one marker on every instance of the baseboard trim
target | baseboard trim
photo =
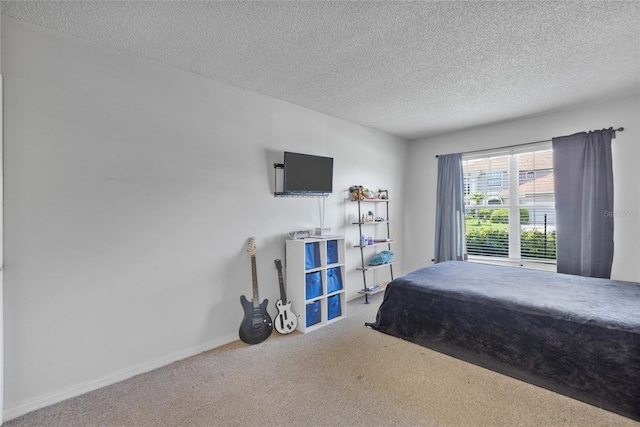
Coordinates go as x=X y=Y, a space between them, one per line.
x=117 y=376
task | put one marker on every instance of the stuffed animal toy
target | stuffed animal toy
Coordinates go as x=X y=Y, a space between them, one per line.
x=357 y=192
x=383 y=257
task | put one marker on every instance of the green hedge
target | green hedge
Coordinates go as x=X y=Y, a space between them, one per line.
x=484 y=214
x=533 y=243
x=501 y=216
x=488 y=242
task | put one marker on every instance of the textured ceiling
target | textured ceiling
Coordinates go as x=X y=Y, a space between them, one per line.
x=411 y=69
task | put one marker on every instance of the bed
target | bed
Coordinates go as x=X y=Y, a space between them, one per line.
x=574 y=335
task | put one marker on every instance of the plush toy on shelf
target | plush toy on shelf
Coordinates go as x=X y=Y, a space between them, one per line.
x=357 y=192
x=368 y=194
x=383 y=257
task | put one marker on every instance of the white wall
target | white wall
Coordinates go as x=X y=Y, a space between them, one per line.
x=130 y=191
x=422 y=172
x=1 y=239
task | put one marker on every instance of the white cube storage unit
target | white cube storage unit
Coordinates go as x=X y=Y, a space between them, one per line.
x=316 y=281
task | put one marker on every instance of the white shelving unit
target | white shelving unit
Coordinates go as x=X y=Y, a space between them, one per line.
x=316 y=289
x=365 y=230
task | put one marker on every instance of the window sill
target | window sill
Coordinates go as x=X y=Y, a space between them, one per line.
x=531 y=265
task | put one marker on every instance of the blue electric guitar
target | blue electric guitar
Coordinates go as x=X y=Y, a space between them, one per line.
x=286 y=320
x=256 y=325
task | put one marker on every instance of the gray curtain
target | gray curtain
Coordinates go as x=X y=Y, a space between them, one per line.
x=450 y=239
x=584 y=203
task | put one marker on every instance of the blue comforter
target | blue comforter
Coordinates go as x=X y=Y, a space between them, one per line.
x=575 y=335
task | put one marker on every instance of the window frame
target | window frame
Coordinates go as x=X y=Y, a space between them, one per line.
x=514 y=206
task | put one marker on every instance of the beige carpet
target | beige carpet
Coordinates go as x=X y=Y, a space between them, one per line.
x=342 y=375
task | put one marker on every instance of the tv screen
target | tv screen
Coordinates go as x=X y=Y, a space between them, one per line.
x=305 y=173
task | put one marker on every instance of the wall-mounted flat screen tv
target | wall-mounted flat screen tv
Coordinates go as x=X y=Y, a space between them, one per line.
x=307 y=174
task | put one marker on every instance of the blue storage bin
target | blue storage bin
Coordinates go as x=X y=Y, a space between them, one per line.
x=312 y=255
x=334 y=309
x=334 y=279
x=332 y=252
x=313 y=313
x=313 y=285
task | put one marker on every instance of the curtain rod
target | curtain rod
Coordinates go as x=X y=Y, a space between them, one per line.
x=620 y=129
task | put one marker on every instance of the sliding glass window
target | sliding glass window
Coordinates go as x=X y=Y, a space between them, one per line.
x=509 y=205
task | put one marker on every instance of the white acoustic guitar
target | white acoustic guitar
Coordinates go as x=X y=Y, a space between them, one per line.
x=285 y=321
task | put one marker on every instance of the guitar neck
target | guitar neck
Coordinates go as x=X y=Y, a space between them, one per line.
x=254 y=274
x=283 y=293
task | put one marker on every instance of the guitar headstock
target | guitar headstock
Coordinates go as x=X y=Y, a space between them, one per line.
x=251 y=247
x=278 y=264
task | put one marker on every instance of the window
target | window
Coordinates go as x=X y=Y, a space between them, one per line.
x=509 y=205
x=494 y=179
